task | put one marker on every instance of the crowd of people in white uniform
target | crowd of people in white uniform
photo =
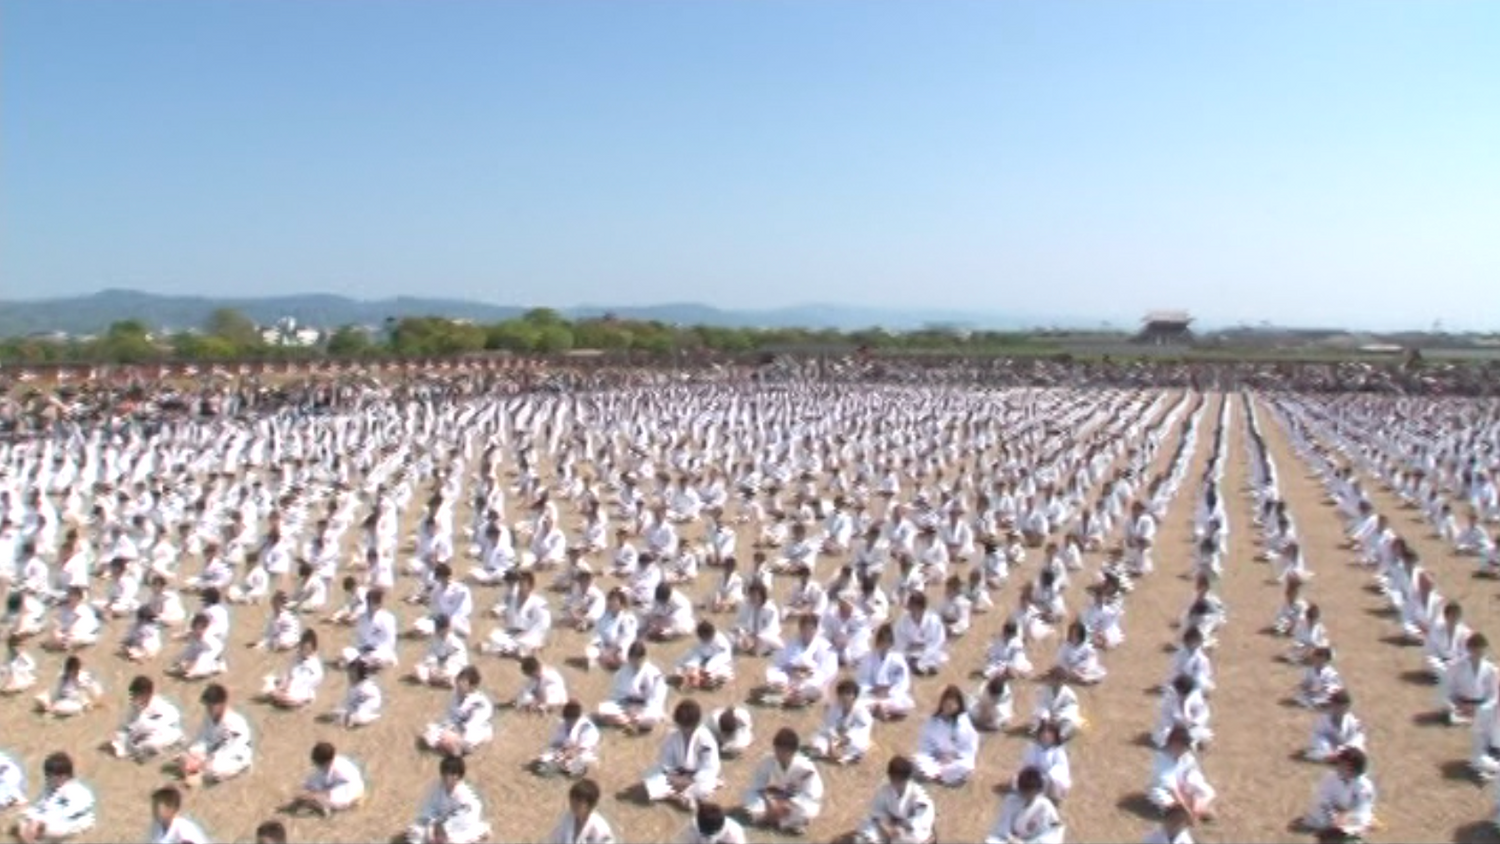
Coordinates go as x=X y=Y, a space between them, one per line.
x=888 y=519
x=1437 y=458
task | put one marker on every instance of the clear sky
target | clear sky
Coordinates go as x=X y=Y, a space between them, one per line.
x=1307 y=161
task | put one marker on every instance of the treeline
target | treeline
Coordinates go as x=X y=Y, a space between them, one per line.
x=230 y=335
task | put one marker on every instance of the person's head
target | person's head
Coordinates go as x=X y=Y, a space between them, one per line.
x=1314 y=614
x=1030 y=783
x=1077 y=633
x=1048 y=734
x=847 y=692
x=1193 y=638
x=785 y=745
x=452 y=771
x=688 y=715
x=807 y=628
x=583 y=797
x=1351 y=762
x=916 y=605
x=710 y=819
x=899 y=772
x=199 y=625
x=270 y=832
x=950 y=703
x=1340 y=701
x=531 y=667
x=1321 y=656
x=637 y=654
x=323 y=754
x=885 y=637
x=215 y=699
x=705 y=631
x=141 y=689
x=572 y=710
x=729 y=722
x=166 y=802
x=359 y=671
x=1477 y=646
x=467 y=678
x=72 y=667
x=996 y=686
x=57 y=769
x=616 y=600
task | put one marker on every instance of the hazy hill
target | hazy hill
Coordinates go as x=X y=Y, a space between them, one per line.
x=91 y=314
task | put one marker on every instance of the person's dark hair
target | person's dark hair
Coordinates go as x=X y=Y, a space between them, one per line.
x=58 y=765
x=272 y=832
x=786 y=739
x=900 y=768
x=585 y=791
x=687 y=714
x=168 y=797
x=323 y=753
x=1030 y=780
x=452 y=766
x=214 y=695
x=710 y=818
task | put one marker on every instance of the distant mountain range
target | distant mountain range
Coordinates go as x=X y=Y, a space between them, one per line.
x=92 y=314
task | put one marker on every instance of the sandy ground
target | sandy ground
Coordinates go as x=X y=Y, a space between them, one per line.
x=1424 y=793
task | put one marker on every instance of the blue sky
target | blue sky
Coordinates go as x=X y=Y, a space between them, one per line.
x=1303 y=162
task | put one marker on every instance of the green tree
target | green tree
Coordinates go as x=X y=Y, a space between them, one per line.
x=190 y=346
x=433 y=336
x=234 y=327
x=512 y=336
x=126 y=341
x=542 y=316
x=553 y=339
x=350 y=341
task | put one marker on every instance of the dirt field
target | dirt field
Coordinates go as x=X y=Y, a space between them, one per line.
x=1425 y=795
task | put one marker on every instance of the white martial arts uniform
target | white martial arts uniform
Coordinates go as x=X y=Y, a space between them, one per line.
x=66 y=811
x=947 y=749
x=799 y=783
x=593 y=830
x=695 y=755
x=470 y=716
x=910 y=810
x=572 y=748
x=149 y=729
x=1020 y=822
x=226 y=746
x=342 y=782
x=459 y=811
